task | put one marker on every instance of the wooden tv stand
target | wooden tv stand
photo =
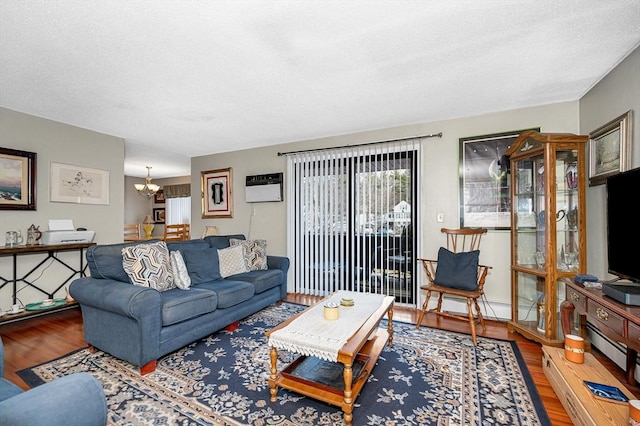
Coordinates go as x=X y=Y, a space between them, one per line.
x=615 y=320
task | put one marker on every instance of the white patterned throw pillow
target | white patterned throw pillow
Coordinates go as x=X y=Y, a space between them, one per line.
x=181 y=276
x=232 y=261
x=148 y=265
x=255 y=252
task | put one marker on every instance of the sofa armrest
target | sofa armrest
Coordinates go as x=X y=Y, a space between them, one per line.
x=278 y=262
x=282 y=263
x=116 y=296
x=77 y=399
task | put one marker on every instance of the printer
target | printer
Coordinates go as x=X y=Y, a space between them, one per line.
x=63 y=232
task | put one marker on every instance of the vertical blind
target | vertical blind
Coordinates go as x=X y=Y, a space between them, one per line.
x=351 y=213
x=178 y=203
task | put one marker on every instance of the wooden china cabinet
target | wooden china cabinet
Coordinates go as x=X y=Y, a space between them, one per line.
x=548 y=238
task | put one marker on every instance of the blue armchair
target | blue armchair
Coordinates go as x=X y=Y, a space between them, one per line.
x=74 y=400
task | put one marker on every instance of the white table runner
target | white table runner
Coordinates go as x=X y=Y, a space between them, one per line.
x=311 y=334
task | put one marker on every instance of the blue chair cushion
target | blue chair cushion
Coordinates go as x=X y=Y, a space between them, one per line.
x=180 y=305
x=457 y=270
x=202 y=265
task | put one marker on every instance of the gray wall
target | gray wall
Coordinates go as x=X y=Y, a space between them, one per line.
x=138 y=206
x=439 y=192
x=60 y=143
x=613 y=96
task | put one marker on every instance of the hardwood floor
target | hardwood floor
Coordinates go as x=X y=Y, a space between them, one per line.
x=37 y=340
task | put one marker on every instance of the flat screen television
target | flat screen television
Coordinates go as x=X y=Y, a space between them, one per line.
x=623 y=225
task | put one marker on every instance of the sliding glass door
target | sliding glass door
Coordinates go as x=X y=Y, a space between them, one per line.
x=351 y=216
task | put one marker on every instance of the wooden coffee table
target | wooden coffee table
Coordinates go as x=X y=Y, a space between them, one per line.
x=336 y=383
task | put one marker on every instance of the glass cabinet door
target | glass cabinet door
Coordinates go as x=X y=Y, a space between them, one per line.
x=567 y=230
x=547 y=241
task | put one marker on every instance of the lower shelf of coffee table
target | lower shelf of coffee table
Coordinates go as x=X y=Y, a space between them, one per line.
x=322 y=384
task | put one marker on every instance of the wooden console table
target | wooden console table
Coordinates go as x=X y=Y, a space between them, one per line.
x=50 y=251
x=615 y=320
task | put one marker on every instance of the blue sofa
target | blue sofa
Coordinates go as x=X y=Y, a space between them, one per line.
x=77 y=399
x=140 y=324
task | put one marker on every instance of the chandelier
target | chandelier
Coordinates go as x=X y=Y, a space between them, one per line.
x=148 y=188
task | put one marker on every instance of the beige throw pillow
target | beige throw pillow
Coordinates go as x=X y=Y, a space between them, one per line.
x=181 y=276
x=232 y=261
x=255 y=252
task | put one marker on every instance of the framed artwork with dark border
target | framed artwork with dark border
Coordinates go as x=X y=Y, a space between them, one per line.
x=217 y=193
x=159 y=215
x=158 y=197
x=17 y=179
x=80 y=185
x=485 y=185
x=610 y=149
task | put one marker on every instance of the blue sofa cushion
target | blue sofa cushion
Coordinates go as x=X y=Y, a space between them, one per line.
x=261 y=280
x=222 y=241
x=229 y=292
x=105 y=261
x=187 y=245
x=178 y=305
x=202 y=265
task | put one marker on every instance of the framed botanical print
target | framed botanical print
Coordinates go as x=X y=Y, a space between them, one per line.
x=17 y=179
x=610 y=149
x=217 y=193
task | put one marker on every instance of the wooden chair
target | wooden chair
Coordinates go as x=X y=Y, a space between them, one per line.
x=177 y=232
x=458 y=241
x=131 y=232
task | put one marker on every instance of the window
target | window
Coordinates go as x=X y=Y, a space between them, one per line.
x=351 y=216
x=178 y=203
x=178 y=210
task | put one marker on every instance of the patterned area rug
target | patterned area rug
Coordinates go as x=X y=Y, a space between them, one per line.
x=428 y=377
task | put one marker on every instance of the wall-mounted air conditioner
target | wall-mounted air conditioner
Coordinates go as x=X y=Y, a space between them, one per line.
x=263 y=188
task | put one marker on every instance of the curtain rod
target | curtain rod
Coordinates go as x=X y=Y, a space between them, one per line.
x=433 y=135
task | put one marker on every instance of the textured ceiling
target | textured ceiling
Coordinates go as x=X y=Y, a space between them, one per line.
x=178 y=79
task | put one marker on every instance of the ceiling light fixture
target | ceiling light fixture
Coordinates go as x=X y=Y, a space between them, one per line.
x=148 y=188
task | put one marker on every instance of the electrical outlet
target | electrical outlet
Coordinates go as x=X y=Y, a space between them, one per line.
x=440 y=217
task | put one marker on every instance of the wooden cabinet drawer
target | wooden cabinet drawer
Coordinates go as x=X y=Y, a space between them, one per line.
x=606 y=317
x=578 y=299
x=634 y=336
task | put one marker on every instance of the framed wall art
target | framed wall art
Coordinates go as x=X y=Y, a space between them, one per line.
x=80 y=185
x=158 y=197
x=217 y=193
x=159 y=215
x=485 y=186
x=610 y=149
x=17 y=179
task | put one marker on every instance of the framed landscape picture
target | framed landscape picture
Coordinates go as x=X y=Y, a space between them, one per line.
x=610 y=149
x=217 y=193
x=17 y=180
